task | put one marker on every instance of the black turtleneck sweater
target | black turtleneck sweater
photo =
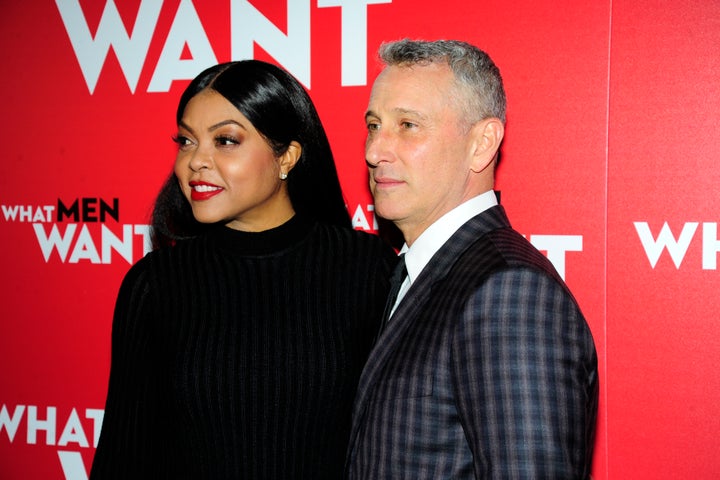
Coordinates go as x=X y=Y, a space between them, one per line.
x=237 y=355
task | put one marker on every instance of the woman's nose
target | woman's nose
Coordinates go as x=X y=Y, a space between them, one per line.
x=200 y=159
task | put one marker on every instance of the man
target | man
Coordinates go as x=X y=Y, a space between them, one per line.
x=487 y=368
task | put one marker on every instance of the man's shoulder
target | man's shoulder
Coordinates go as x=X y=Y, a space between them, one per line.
x=514 y=247
x=502 y=249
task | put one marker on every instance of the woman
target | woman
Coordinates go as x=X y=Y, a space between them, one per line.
x=238 y=342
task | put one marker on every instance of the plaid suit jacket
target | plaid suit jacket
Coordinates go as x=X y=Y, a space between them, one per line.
x=487 y=370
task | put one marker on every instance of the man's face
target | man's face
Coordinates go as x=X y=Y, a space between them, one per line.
x=418 y=147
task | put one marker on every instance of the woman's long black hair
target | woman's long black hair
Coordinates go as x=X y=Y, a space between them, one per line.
x=282 y=111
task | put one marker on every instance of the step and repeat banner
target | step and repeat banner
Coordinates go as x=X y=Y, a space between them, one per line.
x=609 y=167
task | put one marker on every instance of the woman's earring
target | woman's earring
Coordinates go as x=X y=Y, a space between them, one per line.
x=283 y=175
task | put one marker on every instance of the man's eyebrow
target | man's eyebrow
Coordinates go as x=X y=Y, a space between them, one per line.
x=398 y=111
x=370 y=113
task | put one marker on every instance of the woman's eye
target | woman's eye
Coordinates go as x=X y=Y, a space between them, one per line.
x=225 y=140
x=181 y=141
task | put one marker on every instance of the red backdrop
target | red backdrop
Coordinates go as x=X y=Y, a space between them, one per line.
x=608 y=166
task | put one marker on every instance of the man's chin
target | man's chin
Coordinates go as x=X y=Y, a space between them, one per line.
x=387 y=210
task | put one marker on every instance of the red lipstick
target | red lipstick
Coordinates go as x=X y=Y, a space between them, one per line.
x=203 y=190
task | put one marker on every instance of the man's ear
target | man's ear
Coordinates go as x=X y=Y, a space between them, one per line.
x=291 y=156
x=488 y=135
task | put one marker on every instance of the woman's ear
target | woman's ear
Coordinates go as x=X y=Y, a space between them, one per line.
x=289 y=159
x=488 y=136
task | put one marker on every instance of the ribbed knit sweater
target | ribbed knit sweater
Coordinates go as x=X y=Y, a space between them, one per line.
x=237 y=355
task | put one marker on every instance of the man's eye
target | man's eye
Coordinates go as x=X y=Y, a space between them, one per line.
x=408 y=125
x=373 y=126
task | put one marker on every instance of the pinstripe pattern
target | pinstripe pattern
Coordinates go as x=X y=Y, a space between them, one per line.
x=236 y=355
x=488 y=370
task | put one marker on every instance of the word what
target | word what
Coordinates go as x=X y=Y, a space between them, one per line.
x=46 y=425
x=87 y=237
x=677 y=247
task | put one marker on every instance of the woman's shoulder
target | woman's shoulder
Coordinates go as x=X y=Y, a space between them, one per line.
x=348 y=245
x=161 y=259
x=353 y=237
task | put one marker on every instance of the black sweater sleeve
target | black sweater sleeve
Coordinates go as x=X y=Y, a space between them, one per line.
x=125 y=449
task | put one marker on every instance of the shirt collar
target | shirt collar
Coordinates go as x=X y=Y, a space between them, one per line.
x=430 y=241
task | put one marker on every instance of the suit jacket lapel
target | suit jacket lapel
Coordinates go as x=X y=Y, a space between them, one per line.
x=408 y=310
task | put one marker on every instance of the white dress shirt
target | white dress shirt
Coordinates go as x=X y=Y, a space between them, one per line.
x=429 y=242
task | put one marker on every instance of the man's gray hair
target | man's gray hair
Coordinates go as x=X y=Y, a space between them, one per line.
x=472 y=68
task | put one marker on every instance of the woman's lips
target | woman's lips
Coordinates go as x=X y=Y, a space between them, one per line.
x=203 y=190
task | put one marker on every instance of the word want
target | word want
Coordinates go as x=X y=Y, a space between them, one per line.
x=187 y=34
x=555 y=247
x=87 y=237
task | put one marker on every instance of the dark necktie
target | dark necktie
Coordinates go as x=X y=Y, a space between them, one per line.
x=396 y=280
